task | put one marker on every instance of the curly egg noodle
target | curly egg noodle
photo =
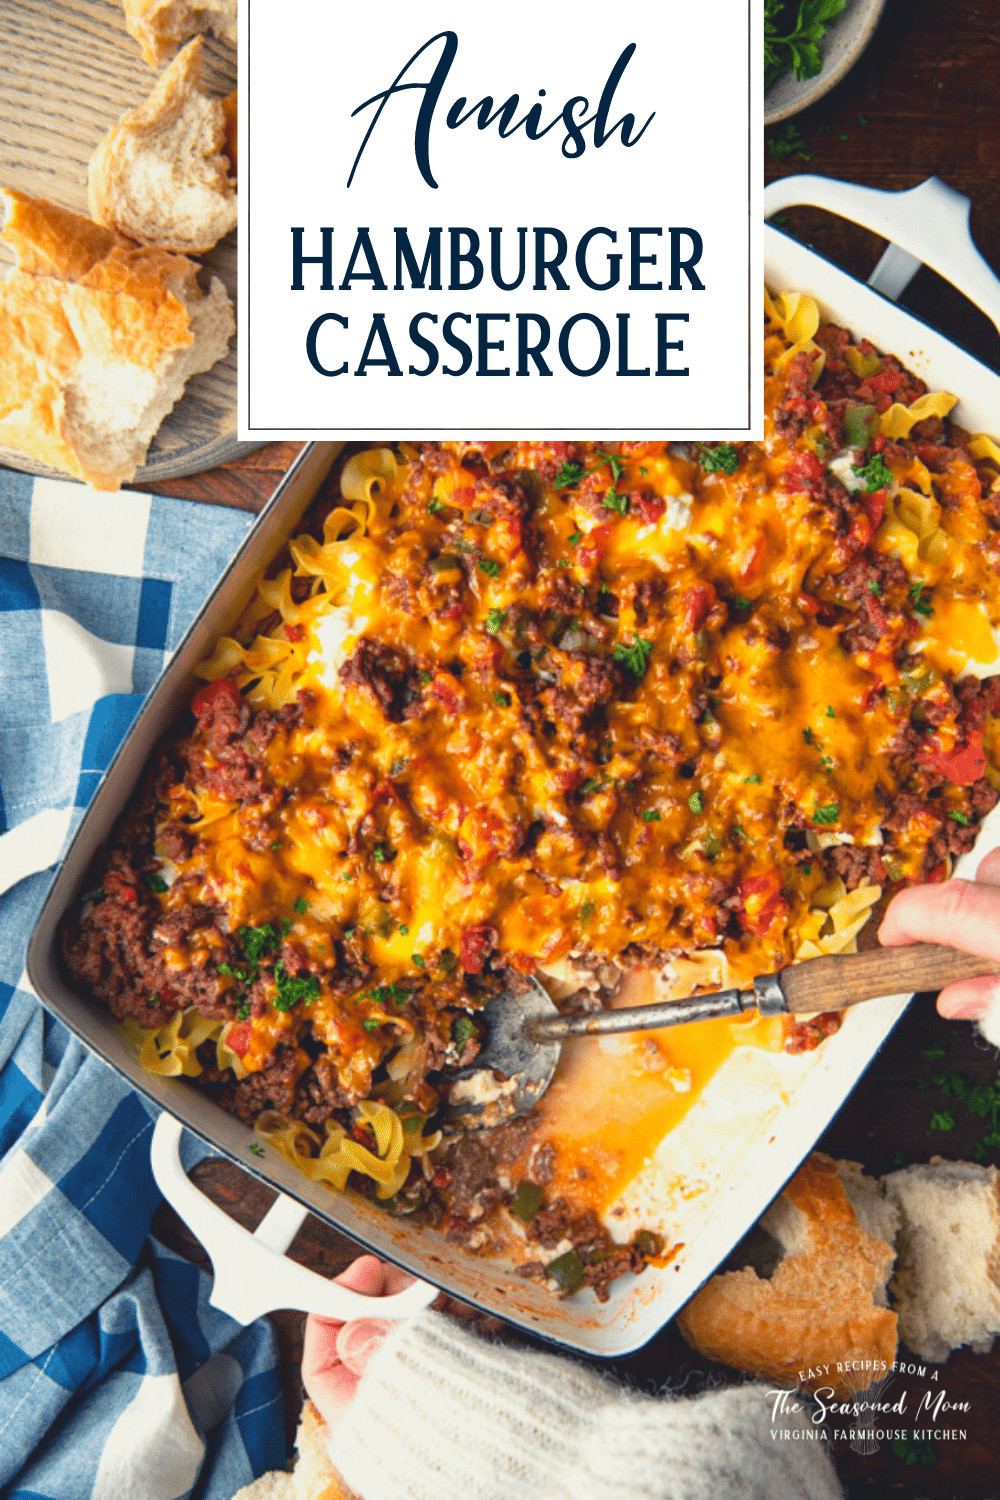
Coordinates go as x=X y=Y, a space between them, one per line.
x=571 y=710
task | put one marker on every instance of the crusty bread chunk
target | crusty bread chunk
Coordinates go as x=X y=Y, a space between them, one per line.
x=161 y=26
x=826 y=1299
x=313 y=1478
x=161 y=175
x=947 y=1278
x=99 y=336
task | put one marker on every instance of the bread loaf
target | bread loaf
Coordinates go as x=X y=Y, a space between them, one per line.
x=313 y=1478
x=826 y=1299
x=99 y=337
x=161 y=26
x=161 y=175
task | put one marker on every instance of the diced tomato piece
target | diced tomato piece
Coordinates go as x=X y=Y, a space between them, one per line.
x=751 y=561
x=119 y=888
x=872 y=696
x=295 y=632
x=650 y=507
x=507 y=536
x=238 y=1038
x=877 y=443
x=803 y=472
x=590 y=552
x=697 y=605
x=463 y=496
x=860 y=532
x=453 y=611
x=222 y=687
x=763 y=902
x=886 y=381
x=963 y=765
x=477 y=945
x=874 y=505
x=808 y=604
x=448 y=693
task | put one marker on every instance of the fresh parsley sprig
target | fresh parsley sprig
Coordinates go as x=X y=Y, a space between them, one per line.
x=792 y=36
x=635 y=656
x=724 y=458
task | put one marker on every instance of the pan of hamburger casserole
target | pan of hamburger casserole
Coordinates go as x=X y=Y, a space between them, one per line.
x=699 y=1175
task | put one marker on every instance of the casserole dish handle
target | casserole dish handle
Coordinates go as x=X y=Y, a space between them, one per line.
x=928 y=224
x=252 y=1274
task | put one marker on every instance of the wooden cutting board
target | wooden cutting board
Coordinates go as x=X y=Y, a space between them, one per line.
x=68 y=69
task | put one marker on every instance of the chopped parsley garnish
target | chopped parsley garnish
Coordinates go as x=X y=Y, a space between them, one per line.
x=435 y=507
x=291 y=991
x=826 y=761
x=807 y=869
x=873 y=475
x=613 y=501
x=592 y=784
x=874 y=587
x=651 y=815
x=403 y=929
x=256 y=1149
x=828 y=814
x=791 y=142
x=792 y=33
x=942 y=1121
x=959 y=817
x=562 y=563
x=573 y=473
x=807 y=735
x=741 y=604
x=284 y=927
x=635 y=656
x=741 y=833
x=426 y=677
x=921 y=604
x=371 y=1023
x=154 y=1000
x=258 y=942
x=494 y=620
x=829 y=711
x=503 y=699
x=419 y=961
x=243 y=1014
x=383 y=854
x=751 y=780
x=695 y=802
x=587 y=911
x=156 y=883
x=724 y=458
x=463 y=1029
x=301 y=905
x=275 y=846
x=713 y=844
x=488 y=566
x=577 y=536
x=918 y=1452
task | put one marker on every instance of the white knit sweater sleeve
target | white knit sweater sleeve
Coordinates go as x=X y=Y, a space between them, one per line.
x=442 y=1414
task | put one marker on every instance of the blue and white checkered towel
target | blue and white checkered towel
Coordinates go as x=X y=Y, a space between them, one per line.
x=116 y=1377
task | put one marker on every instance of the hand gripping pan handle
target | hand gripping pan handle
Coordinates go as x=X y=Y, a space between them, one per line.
x=928 y=224
x=253 y=1276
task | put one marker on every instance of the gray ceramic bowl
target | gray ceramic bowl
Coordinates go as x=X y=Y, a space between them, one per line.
x=843 y=44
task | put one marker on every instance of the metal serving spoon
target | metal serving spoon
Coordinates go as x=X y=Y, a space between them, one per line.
x=525 y=1032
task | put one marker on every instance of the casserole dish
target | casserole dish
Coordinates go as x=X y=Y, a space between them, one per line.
x=768 y=1124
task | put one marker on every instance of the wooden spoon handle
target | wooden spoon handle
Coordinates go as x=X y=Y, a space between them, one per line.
x=840 y=980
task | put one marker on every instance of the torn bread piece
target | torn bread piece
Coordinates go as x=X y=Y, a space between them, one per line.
x=947 y=1278
x=161 y=175
x=99 y=337
x=826 y=1301
x=313 y=1478
x=161 y=26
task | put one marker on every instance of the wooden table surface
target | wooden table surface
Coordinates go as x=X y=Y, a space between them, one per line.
x=922 y=101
